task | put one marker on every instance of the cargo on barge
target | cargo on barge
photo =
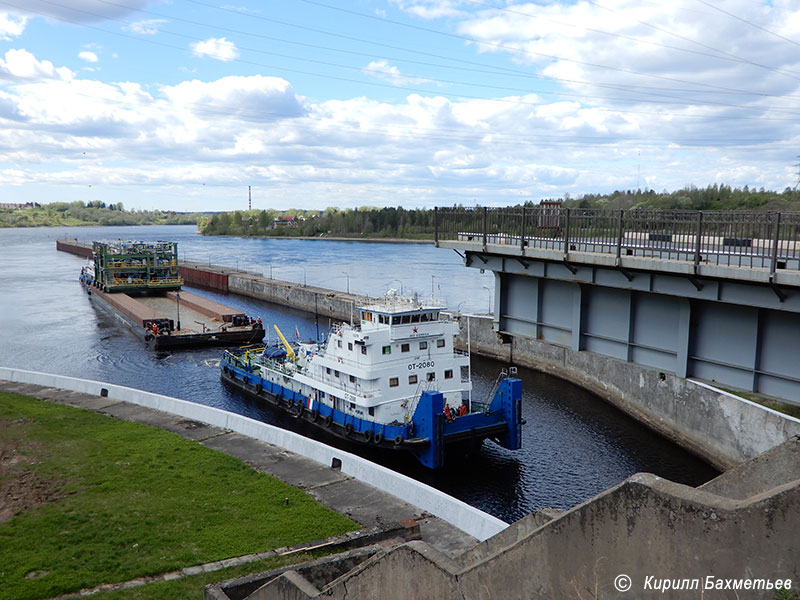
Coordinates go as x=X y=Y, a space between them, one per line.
x=392 y=381
x=139 y=283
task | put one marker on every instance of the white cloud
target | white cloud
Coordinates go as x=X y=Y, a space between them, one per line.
x=431 y=9
x=82 y=11
x=654 y=117
x=11 y=25
x=217 y=48
x=88 y=56
x=381 y=69
x=146 y=27
x=22 y=65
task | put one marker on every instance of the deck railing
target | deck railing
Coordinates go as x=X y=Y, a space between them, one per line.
x=731 y=238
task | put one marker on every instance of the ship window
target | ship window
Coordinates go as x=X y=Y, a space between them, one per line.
x=352 y=406
x=424 y=318
x=448 y=374
x=412 y=379
x=395 y=320
x=339 y=343
x=353 y=379
x=363 y=349
x=387 y=349
x=371 y=411
x=415 y=318
x=423 y=345
x=404 y=347
x=434 y=316
x=431 y=376
x=336 y=373
x=394 y=382
x=328 y=370
x=406 y=319
x=440 y=343
x=350 y=346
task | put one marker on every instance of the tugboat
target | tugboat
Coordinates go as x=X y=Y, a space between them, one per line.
x=393 y=380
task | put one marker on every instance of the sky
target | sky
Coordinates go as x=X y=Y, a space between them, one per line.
x=191 y=105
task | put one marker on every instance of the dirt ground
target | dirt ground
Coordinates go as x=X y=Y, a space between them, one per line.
x=21 y=489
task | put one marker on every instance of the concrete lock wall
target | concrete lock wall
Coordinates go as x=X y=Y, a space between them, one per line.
x=467 y=518
x=722 y=428
x=321 y=301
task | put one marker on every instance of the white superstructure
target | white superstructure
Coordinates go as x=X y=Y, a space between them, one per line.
x=377 y=368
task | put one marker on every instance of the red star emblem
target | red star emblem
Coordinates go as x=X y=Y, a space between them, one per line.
x=415 y=330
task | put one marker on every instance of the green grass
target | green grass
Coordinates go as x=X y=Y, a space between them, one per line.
x=136 y=501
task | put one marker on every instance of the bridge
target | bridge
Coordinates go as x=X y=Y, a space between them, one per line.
x=711 y=295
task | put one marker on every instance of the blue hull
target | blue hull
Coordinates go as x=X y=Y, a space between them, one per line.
x=427 y=434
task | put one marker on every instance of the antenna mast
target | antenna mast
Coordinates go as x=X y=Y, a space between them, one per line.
x=249 y=199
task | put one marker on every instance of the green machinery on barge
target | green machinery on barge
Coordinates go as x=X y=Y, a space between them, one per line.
x=136 y=266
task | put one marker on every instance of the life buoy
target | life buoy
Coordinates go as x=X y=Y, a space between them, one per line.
x=348 y=429
x=398 y=440
x=368 y=435
x=328 y=420
x=378 y=437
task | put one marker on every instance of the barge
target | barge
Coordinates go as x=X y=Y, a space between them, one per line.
x=140 y=284
x=392 y=381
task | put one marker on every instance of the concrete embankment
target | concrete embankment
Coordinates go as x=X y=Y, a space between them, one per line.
x=644 y=538
x=723 y=429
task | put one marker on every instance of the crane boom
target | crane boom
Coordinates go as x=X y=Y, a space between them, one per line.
x=289 y=350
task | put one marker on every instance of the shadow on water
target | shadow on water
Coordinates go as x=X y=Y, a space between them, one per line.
x=574 y=444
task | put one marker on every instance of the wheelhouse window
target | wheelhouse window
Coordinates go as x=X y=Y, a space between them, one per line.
x=387 y=350
x=336 y=373
x=394 y=382
x=350 y=346
x=353 y=379
x=363 y=349
x=339 y=343
x=395 y=320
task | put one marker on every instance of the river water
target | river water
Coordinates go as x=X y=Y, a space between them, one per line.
x=574 y=444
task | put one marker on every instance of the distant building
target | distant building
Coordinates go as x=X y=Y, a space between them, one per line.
x=15 y=206
x=288 y=221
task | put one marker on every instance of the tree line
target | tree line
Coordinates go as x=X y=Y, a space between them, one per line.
x=363 y=222
x=712 y=197
x=94 y=212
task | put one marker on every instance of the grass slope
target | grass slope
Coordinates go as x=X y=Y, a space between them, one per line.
x=132 y=500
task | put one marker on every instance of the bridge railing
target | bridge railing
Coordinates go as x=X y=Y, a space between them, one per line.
x=745 y=239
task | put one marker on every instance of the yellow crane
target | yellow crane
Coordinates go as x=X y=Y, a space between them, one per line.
x=289 y=350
